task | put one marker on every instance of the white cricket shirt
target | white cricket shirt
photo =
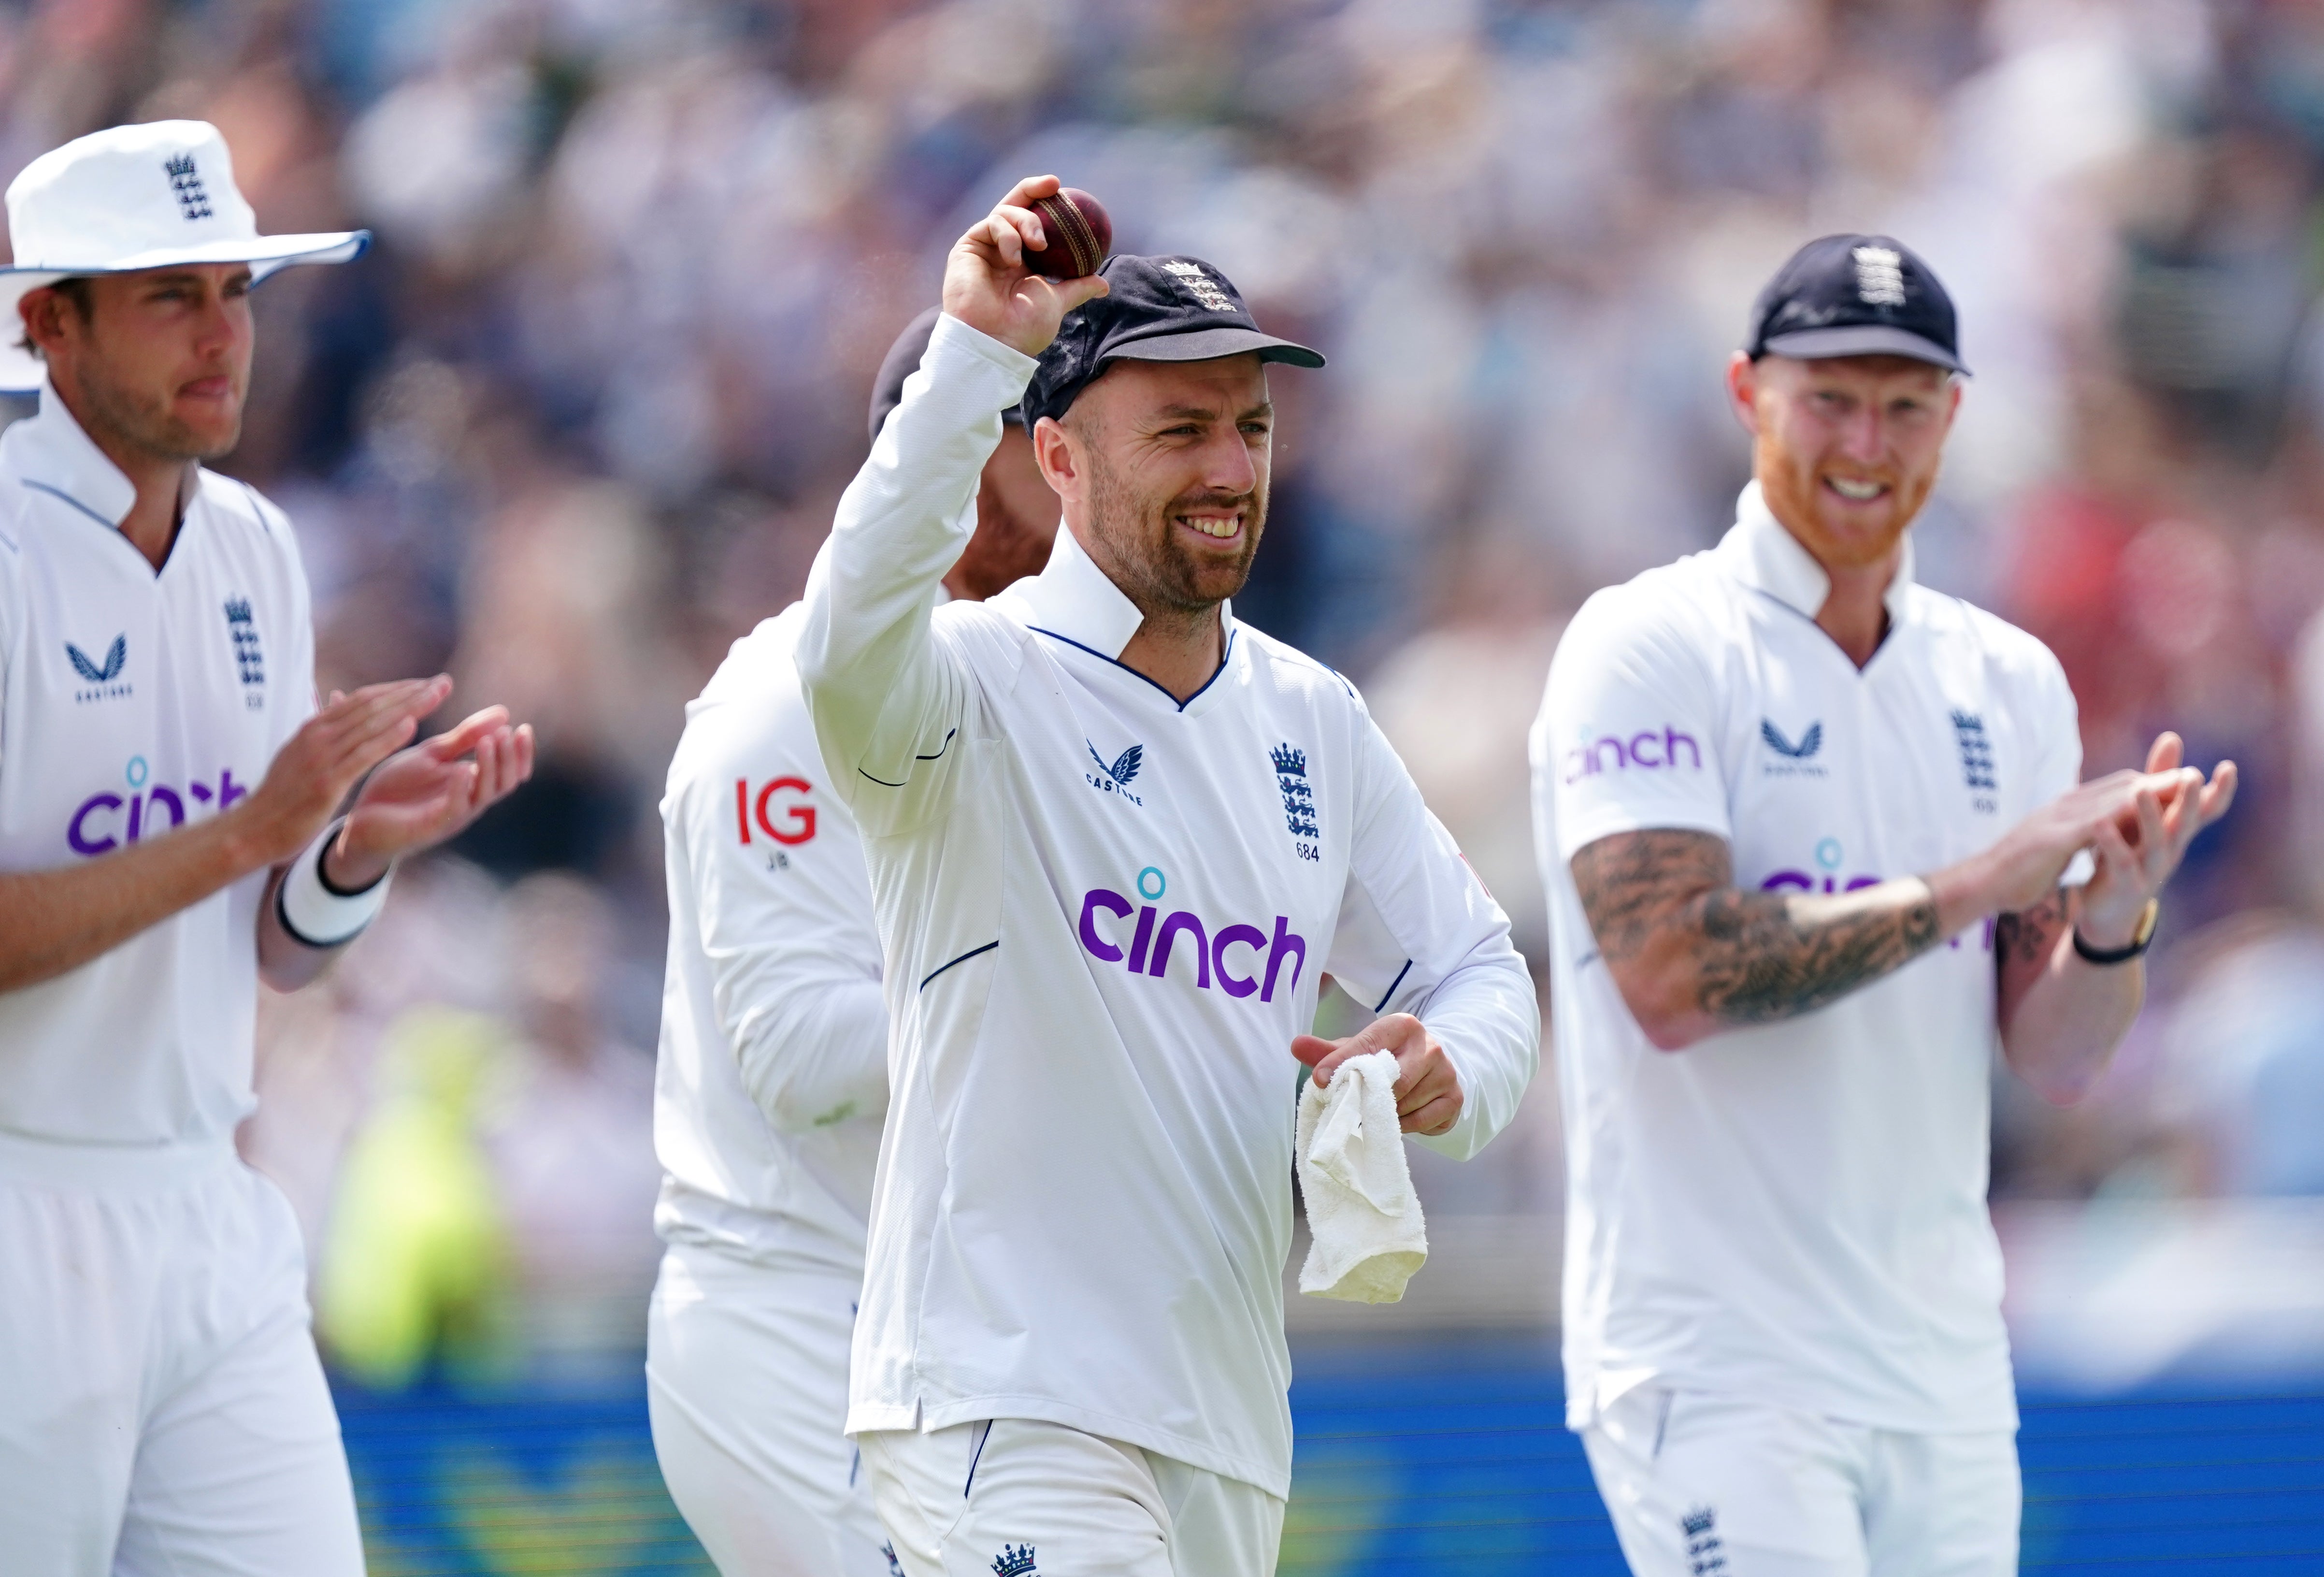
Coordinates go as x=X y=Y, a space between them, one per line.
x=132 y=701
x=1795 y=1211
x=773 y=1076
x=1104 y=915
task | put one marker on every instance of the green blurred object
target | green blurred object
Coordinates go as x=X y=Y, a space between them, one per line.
x=415 y=1261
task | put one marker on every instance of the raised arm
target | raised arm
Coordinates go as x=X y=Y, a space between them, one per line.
x=1693 y=954
x=883 y=702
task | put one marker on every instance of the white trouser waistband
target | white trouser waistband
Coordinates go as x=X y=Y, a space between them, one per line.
x=44 y=1163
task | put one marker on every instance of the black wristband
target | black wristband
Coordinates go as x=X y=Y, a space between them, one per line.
x=2139 y=944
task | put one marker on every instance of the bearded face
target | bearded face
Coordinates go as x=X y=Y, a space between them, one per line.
x=160 y=362
x=1847 y=450
x=1170 y=460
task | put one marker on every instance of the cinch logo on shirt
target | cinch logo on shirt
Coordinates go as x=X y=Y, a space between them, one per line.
x=1150 y=943
x=1646 y=749
x=107 y=821
x=99 y=676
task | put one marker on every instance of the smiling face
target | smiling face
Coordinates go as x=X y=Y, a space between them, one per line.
x=1162 y=468
x=160 y=364
x=1847 y=449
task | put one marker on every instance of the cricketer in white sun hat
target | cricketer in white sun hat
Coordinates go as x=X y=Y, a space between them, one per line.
x=159 y=194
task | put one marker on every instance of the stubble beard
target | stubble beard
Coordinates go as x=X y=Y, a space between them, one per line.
x=145 y=424
x=1793 y=494
x=1166 y=581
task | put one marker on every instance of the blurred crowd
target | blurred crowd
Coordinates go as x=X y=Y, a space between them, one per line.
x=581 y=418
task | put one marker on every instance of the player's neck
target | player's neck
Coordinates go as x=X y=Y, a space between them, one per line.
x=1855 y=611
x=1178 y=652
x=161 y=481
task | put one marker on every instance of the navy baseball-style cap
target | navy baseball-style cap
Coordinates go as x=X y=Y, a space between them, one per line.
x=1855 y=296
x=903 y=359
x=1157 y=309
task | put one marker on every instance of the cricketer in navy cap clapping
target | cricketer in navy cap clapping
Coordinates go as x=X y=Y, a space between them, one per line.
x=1815 y=851
x=1115 y=838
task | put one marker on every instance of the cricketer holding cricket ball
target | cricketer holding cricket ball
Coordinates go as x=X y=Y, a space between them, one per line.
x=1814 y=847
x=1114 y=838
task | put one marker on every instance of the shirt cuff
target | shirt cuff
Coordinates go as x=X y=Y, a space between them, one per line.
x=955 y=339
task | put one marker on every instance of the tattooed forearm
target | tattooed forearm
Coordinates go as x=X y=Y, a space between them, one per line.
x=1767 y=955
x=1692 y=954
x=2030 y=936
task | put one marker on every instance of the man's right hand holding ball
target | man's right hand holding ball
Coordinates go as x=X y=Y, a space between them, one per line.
x=988 y=287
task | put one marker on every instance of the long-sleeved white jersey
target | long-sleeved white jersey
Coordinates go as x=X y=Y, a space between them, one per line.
x=772 y=1076
x=1104 y=915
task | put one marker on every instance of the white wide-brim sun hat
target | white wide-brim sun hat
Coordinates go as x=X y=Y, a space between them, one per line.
x=159 y=194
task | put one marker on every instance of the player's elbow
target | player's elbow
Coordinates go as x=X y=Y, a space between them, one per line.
x=1665 y=1010
x=2059 y=1087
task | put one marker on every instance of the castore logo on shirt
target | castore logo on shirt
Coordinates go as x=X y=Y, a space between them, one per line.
x=100 y=675
x=1648 y=749
x=1792 y=760
x=92 y=829
x=1151 y=944
x=1116 y=778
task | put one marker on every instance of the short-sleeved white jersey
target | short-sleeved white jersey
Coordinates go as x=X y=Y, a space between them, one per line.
x=132 y=701
x=773 y=1076
x=1794 y=1211
x=1104 y=915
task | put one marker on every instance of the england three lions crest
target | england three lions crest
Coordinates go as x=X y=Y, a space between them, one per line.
x=1298 y=800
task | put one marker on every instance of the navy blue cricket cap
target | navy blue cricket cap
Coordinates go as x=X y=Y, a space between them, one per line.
x=903 y=359
x=1157 y=310
x=1855 y=296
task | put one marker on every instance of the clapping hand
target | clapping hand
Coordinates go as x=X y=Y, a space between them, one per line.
x=427 y=794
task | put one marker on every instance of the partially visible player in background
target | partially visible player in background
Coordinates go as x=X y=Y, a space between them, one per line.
x=165 y=786
x=773 y=1081
x=1808 y=831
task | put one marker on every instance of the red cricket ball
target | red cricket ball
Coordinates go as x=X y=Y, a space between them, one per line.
x=1079 y=232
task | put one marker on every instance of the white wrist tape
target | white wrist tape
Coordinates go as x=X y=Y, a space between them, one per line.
x=312 y=912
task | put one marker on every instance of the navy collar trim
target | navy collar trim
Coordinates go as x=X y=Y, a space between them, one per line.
x=1225 y=657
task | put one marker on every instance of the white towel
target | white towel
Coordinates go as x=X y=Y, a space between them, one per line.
x=1362 y=1214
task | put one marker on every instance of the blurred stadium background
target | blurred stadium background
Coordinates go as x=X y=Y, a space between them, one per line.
x=581 y=418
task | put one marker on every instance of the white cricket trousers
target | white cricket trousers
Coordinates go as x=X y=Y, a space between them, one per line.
x=1701 y=1484
x=1018 y=1496
x=746 y=1382
x=163 y=1412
